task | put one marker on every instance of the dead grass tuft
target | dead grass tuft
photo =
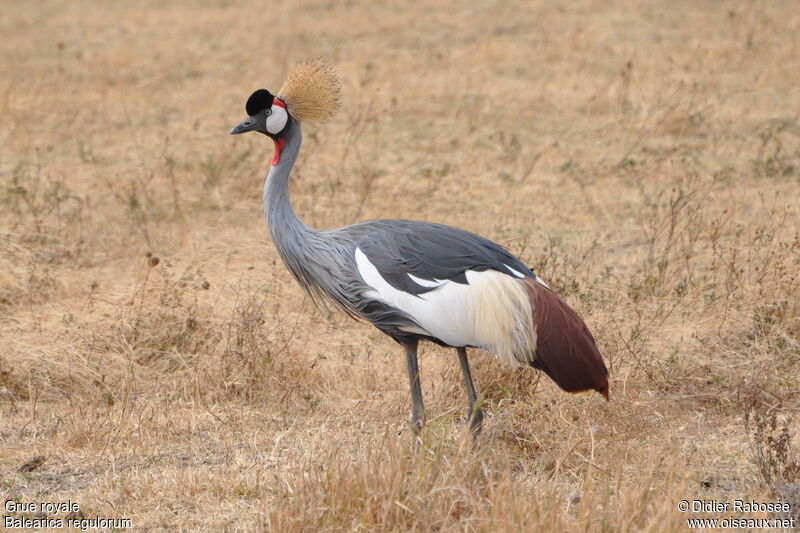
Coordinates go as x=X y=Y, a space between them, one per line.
x=770 y=434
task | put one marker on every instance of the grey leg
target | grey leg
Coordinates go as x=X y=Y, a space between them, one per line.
x=475 y=416
x=417 y=409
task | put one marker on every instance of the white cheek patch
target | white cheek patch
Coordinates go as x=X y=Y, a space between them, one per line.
x=277 y=120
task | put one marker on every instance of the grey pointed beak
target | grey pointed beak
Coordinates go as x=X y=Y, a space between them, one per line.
x=248 y=124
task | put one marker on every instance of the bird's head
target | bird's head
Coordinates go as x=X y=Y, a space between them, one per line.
x=265 y=114
x=310 y=94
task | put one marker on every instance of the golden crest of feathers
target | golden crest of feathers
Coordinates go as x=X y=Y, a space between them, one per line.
x=311 y=92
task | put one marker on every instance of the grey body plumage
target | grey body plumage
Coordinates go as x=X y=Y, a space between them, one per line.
x=416 y=280
x=323 y=261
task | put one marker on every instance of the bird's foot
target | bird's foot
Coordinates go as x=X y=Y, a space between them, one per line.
x=416 y=423
x=475 y=420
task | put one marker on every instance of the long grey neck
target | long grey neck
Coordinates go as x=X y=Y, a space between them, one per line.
x=319 y=264
x=285 y=228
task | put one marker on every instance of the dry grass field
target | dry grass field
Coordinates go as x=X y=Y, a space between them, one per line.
x=158 y=363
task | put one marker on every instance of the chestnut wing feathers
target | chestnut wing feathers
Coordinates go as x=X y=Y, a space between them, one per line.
x=416 y=257
x=565 y=349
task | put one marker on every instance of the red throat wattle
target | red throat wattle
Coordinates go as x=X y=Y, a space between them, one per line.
x=276 y=155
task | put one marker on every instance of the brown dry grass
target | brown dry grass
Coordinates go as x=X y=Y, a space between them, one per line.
x=644 y=159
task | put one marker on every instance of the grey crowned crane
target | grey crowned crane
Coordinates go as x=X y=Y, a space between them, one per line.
x=416 y=280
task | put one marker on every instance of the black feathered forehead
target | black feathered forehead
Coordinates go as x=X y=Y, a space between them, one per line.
x=261 y=99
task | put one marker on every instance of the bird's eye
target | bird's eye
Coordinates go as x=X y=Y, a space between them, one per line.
x=269 y=112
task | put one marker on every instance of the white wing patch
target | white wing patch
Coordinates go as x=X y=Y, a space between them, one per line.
x=425 y=282
x=521 y=276
x=515 y=272
x=492 y=311
x=540 y=281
